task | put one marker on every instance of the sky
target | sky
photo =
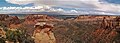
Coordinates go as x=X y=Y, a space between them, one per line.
x=65 y=7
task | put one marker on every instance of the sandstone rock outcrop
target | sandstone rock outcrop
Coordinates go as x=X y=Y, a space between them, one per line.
x=3 y=17
x=7 y=18
x=33 y=18
x=94 y=18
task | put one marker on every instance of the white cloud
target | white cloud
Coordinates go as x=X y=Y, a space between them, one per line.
x=30 y=9
x=86 y=4
x=74 y=11
x=20 y=2
x=35 y=2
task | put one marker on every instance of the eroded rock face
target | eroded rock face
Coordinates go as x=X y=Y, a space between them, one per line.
x=9 y=19
x=3 y=17
x=33 y=18
x=13 y=20
x=94 y=18
x=30 y=19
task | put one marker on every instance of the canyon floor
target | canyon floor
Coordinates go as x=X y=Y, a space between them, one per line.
x=84 y=32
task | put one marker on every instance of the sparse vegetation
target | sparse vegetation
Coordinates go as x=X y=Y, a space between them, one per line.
x=72 y=31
